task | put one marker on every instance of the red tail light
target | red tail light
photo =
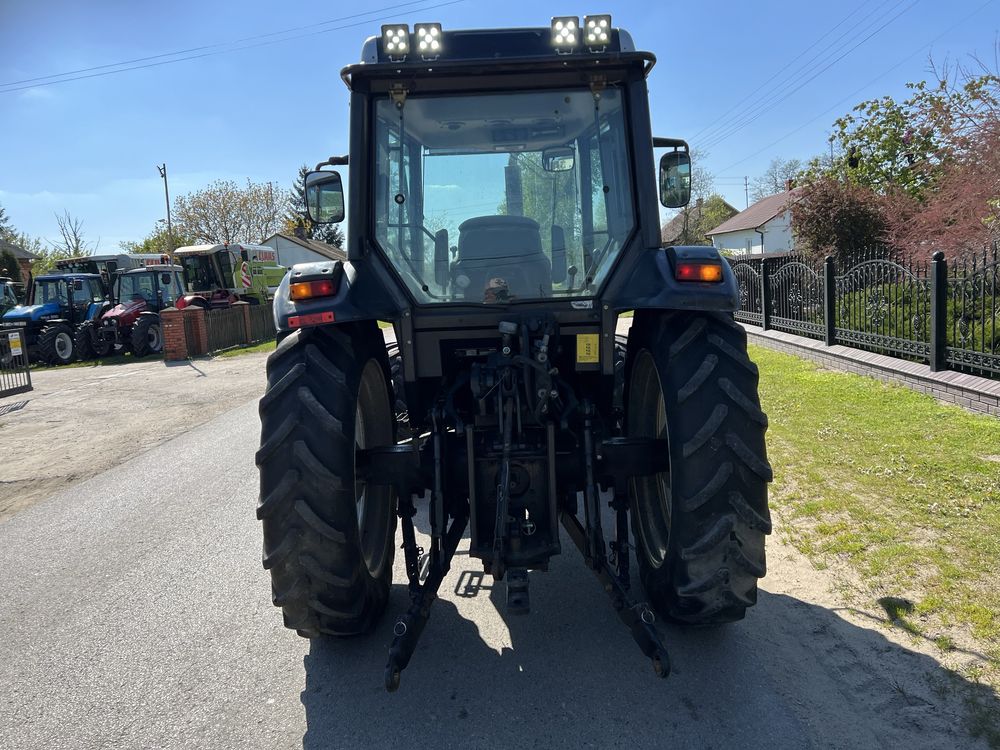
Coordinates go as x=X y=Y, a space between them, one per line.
x=697 y=271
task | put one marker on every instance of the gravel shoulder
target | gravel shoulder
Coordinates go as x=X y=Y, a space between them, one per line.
x=81 y=421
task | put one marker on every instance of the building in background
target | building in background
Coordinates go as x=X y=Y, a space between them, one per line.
x=24 y=258
x=292 y=250
x=765 y=227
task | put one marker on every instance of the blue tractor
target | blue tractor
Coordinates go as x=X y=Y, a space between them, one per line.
x=58 y=304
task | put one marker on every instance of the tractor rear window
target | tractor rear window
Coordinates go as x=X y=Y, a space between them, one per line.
x=503 y=197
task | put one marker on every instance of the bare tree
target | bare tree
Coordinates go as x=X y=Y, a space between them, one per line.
x=71 y=241
x=775 y=178
x=226 y=212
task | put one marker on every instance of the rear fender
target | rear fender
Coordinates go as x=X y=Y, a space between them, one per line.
x=358 y=297
x=652 y=284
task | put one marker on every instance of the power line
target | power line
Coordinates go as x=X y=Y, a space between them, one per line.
x=712 y=125
x=226 y=47
x=858 y=91
x=765 y=106
x=210 y=46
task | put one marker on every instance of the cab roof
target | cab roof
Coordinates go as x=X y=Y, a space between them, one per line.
x=206 y=249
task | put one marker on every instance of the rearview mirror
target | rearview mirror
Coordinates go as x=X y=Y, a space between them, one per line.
x=560 y=159
x=675 y=179
x=324 y=197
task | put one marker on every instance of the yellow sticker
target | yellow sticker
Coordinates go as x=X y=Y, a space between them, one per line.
x=588 y=348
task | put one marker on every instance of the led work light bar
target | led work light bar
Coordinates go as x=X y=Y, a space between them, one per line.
x=428 y=38
x=597 y=32
x=565 y=33
x=396 y=40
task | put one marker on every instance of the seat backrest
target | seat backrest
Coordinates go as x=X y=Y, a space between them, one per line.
x=507 y=247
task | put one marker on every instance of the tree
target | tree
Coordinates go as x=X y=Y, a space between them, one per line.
x=226 y=212
x=71 y=239
x=9 y=266
x=831 y=217
x=888 y=145
x=775 y=177
x=7 y=231
x=158 y=241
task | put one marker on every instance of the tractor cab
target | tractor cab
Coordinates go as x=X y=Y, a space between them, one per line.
x=219 y=275
x=58 y=304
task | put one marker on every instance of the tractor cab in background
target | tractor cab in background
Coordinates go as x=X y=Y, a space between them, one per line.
x=219 y=275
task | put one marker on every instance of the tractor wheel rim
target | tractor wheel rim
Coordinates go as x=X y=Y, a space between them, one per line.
x=360 y=489
x=64 y=345
x=652 y=494
x=153 y=337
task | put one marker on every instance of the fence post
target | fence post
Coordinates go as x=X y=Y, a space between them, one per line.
x=939 y=311
x=174 y=339
x=765 y=294
x=247 y=332
x=199 y=343
x=830 y=300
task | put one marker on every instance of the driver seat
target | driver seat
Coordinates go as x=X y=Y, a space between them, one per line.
x=505 y=247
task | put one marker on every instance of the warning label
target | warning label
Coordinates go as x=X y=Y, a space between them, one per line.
x=588 y=348
x=15 y=343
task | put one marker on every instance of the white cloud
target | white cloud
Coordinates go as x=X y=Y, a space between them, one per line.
x=37 y=93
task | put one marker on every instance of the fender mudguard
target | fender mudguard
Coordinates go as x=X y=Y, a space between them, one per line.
x=652 y=284
x=357 y=296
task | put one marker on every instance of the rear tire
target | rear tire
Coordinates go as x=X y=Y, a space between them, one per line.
x=327 y=394
x=699 y=527
x=147 y=337
x=56 y=345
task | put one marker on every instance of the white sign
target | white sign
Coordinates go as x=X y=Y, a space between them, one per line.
x=15 y=344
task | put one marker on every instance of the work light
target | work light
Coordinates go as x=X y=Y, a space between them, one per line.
x=565 y=33
x=396 y=40
x=597 y=32
x=428 y=38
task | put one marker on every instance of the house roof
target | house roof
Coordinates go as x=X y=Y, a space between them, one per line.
x=18 y=252
x=330 y=251
x=758 y=214
x=674 y=228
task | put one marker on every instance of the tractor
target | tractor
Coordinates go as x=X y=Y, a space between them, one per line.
x=58 y=305
x=503 y=216
x=132 y=320
x=218 y=275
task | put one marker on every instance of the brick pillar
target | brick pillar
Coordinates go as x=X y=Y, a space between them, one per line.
x=245 y=307
x=174 y=340
x=198 y=345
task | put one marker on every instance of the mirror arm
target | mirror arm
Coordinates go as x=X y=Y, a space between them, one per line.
x=659 y=142
x=333 y=161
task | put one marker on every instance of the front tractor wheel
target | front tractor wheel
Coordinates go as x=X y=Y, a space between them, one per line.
x=56 y=345
x=699 y=526
x=328 y=538
x=146 y=336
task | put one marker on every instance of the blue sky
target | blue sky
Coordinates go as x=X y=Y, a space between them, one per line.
x=90 y=146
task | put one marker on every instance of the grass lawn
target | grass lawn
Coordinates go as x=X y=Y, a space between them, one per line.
x=114 y=359
x=902 y=489
x=264 y=346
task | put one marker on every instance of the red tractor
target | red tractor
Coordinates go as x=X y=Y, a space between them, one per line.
x=132 y=321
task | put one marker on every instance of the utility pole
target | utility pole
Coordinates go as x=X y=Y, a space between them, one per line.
x=170 y=232
x=746 y=190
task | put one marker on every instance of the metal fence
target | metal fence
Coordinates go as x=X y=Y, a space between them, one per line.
x=262 y=323
x=15 y=374
x=226 y=328
x=944 y=313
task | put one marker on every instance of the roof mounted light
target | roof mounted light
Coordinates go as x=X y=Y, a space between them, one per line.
x=396 y=40
x=597 y=32
x=565 y=33
x=429 y=39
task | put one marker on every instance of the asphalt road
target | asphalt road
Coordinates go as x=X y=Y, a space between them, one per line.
x=134 y=613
